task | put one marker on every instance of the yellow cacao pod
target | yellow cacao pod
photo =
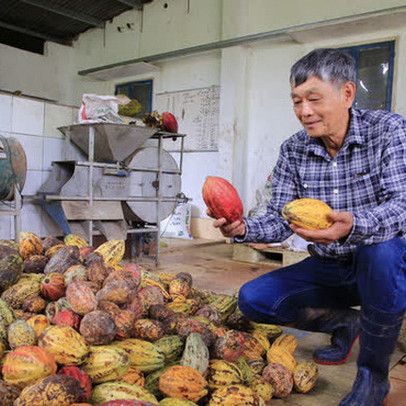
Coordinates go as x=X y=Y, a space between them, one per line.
x=305 y=376
x=112 y=251
x=235 y=395
x=74 y=240
x=287 y=341
x=311 y=214
x=183 y=382
x=261 y=387
x=280 y=355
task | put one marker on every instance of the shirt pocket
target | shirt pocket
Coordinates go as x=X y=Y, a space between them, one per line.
x=364 y=189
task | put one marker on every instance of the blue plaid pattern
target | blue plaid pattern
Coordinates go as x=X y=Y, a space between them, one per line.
x=366 y=178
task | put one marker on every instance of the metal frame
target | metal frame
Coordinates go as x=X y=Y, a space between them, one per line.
x=354 y=52
x=15 y=212
x=159 y=136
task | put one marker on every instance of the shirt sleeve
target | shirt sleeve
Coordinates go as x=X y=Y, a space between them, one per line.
x=272 y=227
x=388 y=219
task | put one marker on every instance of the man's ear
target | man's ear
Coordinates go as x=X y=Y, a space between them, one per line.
x=348 y=92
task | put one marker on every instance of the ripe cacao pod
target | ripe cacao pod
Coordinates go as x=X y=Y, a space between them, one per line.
x=133 y=376
x=35 y=264
x=235 y=395
x=110 y=391
x=311 y=214
x=280 y=378
x=39 y=323
x=112 y=251
x=66 y=344
x=146 y=329
x=81 y=298
x=144 y=355
x=106 y=363
x=98 y=328
x=287 y=341
x=54 y=390
x=27 y=364
x=64 y=258
x=222 y=199
x=20 y=333
x=8 y=393
x=30 y=244
x=169 y=123
x=305 y=376
x=11 y=268
x=66 y=318
x=53 y=286
x=184 y=383
x=280 y=355
x=222 y=373
x=82 y=377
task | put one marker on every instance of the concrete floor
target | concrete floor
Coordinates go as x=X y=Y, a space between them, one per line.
x=212 y=268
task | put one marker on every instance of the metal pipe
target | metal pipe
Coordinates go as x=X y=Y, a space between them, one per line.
x=241 y=40
x=103 y=199
x=90 y=178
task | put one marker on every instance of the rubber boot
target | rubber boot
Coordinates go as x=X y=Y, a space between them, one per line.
x=343 y=324
x=379 y=333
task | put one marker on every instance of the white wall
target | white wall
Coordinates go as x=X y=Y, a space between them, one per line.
x=255 y=108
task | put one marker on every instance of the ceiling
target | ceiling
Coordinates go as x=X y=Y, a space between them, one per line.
x=27 y=24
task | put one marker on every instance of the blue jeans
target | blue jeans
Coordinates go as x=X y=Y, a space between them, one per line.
x=375 y=277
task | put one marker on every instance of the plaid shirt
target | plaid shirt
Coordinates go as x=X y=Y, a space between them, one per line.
x=366 y=178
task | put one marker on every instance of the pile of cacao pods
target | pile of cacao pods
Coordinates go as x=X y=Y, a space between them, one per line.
x=77 y=327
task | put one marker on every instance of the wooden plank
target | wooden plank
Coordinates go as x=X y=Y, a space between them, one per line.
x=273 y=256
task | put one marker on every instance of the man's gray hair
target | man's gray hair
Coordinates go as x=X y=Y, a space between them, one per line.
x=328 y=64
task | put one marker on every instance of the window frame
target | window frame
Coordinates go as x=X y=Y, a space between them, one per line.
x=354 y=52
x=150 y=82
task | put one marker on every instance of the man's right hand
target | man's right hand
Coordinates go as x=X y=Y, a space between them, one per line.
x=235 y=229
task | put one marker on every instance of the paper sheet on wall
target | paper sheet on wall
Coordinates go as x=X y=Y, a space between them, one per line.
x=197 y=112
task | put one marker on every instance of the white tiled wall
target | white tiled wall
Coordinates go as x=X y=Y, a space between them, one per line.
x=35 y=125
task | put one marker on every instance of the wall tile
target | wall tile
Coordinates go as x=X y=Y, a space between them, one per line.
x=33 y=149
x=31 y=217
x=33 y=182
x=53 y=151
x=28 y=116
x=6 y=222
x=56 y=116
x=5 y=112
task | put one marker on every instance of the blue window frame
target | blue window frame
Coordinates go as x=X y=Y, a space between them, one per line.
x=140 y=90
x=375 y=64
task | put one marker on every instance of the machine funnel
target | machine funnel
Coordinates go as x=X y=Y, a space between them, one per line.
x=112 y=142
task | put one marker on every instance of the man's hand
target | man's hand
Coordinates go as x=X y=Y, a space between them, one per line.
x=229 y=230
x=341 y=227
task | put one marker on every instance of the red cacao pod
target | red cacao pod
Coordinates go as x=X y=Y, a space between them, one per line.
x=222 y=199
x=66 y=318
x=82 y=377
x=169 y=123
x=53 y=286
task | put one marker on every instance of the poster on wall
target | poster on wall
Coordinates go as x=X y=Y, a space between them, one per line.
x=197 y=112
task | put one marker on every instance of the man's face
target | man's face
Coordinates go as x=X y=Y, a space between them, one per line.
x=322 y=107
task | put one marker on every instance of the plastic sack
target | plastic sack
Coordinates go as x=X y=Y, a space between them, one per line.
x=100 y=109
x=295 y=243
x=177 y=225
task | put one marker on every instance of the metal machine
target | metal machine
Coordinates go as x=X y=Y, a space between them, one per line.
x=121 y=184
x=13 y=170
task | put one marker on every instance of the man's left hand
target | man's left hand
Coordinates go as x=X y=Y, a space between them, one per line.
x=341 y=227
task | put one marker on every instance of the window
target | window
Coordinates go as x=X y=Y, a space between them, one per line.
x=374 y=74
x=141 y=91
